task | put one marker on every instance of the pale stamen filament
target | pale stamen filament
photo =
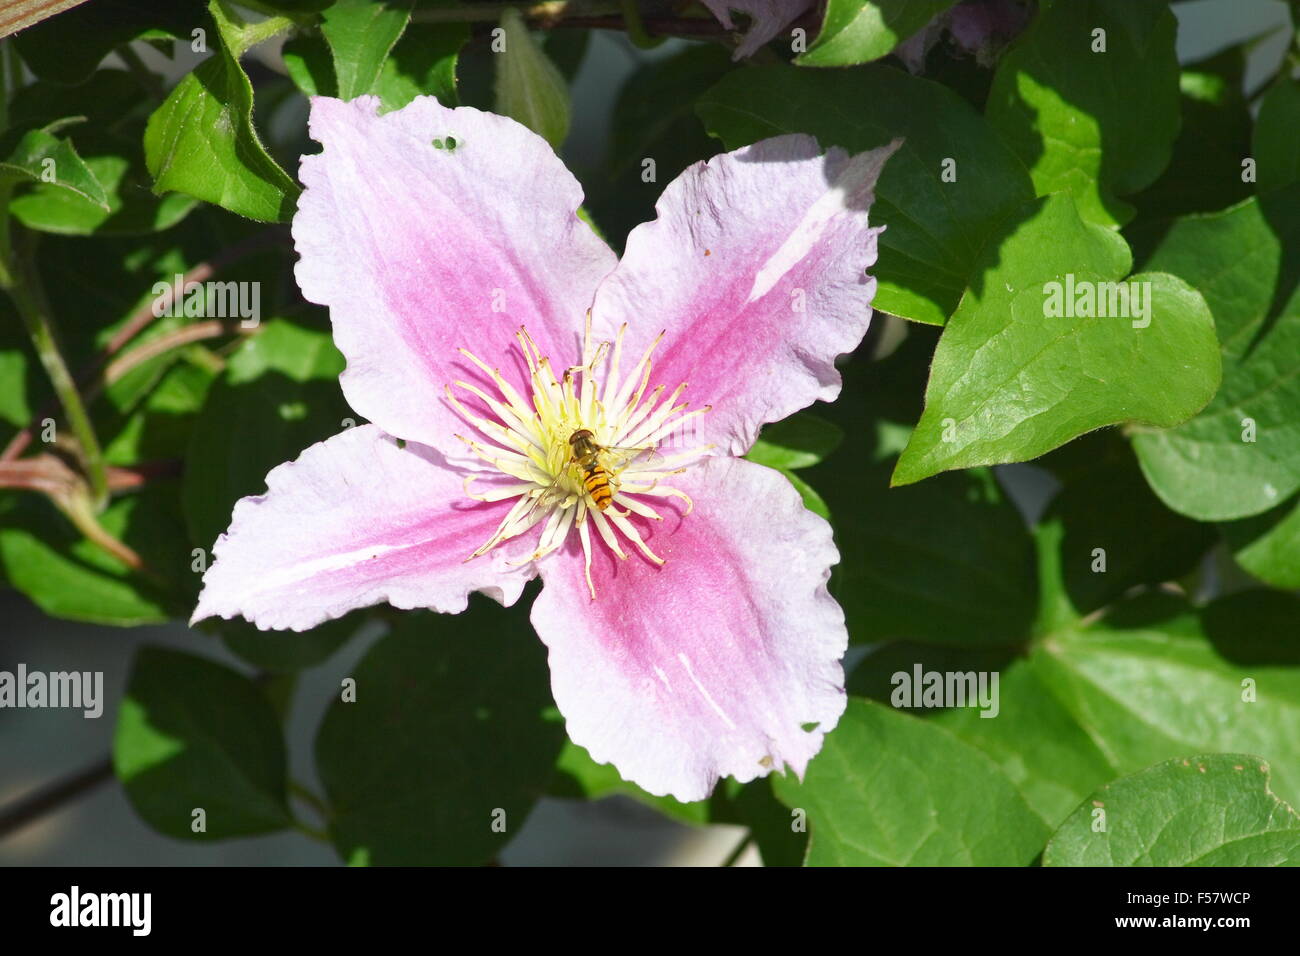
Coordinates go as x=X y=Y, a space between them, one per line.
x=637 y=508
x=529 y=438
x=525 y=427
x=520 y=407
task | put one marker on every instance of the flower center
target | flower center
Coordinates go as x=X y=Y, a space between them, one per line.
x=582 y=450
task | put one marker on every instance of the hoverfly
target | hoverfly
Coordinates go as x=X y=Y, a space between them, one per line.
x=590 y=458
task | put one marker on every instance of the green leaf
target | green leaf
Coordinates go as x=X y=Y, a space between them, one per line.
x=23 y=385
x=41 y=157
x=937 y=230
x=1208 y=810
x=1098 y=125
x=202 y=142
x=781 y=841
x=1241 y=455
x=655 y=134
x=1116 y=535
x=95 y=285
x=155 y=425
x=656 y=109
x=1026 y=731
x=1275 y=150
x=529 y=87
x=110 y=143
x=66 y=576
x=1155 y=680
x=800 y=441
x=577 y=776
x=67 y=48
x=1015 y=375
x=192 y=734
x=278 y=394
x=452 y=731
x=283 y=652
x=1205 y=173
x=567 y=49
x=1036 y=743
x=360 y=34
x=1268 y=545
x=858 y=31
x=947 y=562
x=129 y=208
x=423 y=64
x=308 y=62
x=889 y=789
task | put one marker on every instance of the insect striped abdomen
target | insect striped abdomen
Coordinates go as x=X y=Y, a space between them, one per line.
x=596 y=481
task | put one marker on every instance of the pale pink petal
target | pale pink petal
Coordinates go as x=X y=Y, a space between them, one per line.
x=756 y=268
x=354 y=521
x=713 y=664
x=420 y=250
x=766 y=19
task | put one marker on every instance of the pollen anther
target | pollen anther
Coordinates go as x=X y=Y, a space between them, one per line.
x=529 y=438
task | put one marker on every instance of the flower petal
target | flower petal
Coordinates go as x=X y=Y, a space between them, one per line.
x=420 y=250
x=755 y=268
x=712 y=664
x=766 y=19
x=354 y=521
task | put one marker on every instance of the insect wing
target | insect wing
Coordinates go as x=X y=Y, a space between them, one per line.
x=618 y=457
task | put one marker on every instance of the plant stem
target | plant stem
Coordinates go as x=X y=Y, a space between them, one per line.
x=310 y=798
x=185 y=335
x=141 y=319
x=26 y=809
x=636 y=31
x=19 y=279
x=740 y=849
x=83 y=518
x=314 y=832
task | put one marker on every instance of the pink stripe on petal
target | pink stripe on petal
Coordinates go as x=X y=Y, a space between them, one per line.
x=711 y=665
x=357 y=520
x=419 y=251
x=755 y=267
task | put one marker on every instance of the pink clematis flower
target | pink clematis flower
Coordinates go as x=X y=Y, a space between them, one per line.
x=690 y=632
